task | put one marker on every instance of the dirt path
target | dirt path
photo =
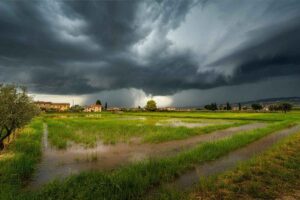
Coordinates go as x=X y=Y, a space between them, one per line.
x=61 y=163
x=292 y=196
x=232 y=159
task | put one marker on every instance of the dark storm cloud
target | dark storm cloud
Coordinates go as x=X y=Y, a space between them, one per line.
x=275 y=53
x=80 y=47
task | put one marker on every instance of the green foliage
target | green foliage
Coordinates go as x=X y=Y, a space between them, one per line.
x=256 y=106
x=268 y=176
x=284 y=107
x=18 y=162
x=112 y=128
x=132 y=182
x=16 y=110
x=183 y=132
x=240 y=106
x=151 y=105
x=98 y=102
x=76 y=108
x=228 y=106
x=212 y=106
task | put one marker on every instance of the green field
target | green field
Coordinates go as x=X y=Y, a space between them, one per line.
x=112 y=128
x=136 y=179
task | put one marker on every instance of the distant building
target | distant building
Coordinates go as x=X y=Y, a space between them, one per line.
x=266 y=108
x=46 y=106
x=93 y=108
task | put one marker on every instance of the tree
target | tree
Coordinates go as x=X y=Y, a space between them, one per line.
x=151 y=105
x=98 y=102
x=285 y=107
x=16 y=110
x=212 y=106
x=76 y=108
x=228 y=106
x=274 y=107
x=256 y=106
x=105 y=107
x=240 y=106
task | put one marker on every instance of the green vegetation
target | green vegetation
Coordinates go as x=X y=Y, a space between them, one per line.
x=284 y=107
x=132 y=182
x=16 y=110
x=212 y=106
x=118 y=128
x=274 y=174
x=256 y=106
x=151 y=105
x=179 y=133
x=18 y=162
x=256 y=116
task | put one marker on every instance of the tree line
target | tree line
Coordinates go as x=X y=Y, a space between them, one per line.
x=283 y=106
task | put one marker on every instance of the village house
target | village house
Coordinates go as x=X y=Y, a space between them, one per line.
x=46 y=105
x=93 y=108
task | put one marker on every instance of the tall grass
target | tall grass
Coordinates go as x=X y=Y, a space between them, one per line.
x=183 y=133
x=134 y=181
x=272 y=175
x=110 y=130
x=18 y=162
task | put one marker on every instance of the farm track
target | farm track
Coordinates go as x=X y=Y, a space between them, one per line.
x=231 y=160
x=61 y=163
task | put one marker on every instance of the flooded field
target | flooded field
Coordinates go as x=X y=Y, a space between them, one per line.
x=132 y=155
x=61 y=163
x=232 y=159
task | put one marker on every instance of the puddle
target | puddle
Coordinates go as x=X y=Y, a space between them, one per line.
x=179 y=123
x=232 y=159
x=62 y=163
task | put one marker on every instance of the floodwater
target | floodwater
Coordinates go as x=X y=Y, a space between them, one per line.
x=62 y=163
x=179 y=123
x=232 y=159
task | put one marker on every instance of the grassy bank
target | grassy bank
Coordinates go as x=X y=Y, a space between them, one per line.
x=18 y=162
x=275 y=174
x=134 y=181
x=110 y=130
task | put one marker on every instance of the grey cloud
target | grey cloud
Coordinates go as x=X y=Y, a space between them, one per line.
x=82 y=47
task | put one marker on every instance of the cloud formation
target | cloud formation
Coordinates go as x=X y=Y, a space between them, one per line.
x=159 y=47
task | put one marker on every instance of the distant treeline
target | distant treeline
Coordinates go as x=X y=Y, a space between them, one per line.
x=283 y=106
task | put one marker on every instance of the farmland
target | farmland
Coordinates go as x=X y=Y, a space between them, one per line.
x=142 y=155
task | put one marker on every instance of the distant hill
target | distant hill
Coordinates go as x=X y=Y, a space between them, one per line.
x=292 y=100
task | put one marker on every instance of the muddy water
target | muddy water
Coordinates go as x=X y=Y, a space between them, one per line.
x=179 y=123
x=61 y=163
x=231 y=160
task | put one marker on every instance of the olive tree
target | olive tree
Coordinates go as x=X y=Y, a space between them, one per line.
x=16 y=110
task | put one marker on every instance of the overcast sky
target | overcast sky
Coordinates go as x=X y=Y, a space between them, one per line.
x=178 y=52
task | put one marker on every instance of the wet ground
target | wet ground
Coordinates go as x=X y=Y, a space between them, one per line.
x=193 y=124
x=232 y=159
x=62 y=163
